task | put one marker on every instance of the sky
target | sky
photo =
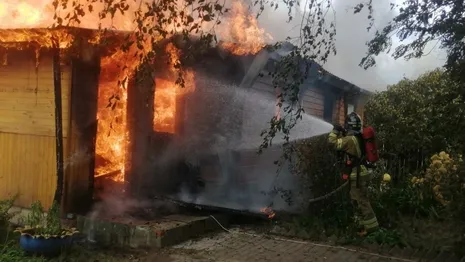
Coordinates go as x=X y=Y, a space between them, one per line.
x=351 y=37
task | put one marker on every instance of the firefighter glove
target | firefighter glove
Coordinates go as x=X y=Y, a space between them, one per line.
x=338 y=127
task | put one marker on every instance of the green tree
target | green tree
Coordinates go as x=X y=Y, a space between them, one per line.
x=418 y=23
x=418 y=118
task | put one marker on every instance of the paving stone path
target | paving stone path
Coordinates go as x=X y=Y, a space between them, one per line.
x=239 y=247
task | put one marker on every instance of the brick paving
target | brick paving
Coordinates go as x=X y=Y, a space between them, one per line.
x=239 y=247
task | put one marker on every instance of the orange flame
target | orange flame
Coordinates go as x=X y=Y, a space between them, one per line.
x=40 y=13
x=243 y=35
x=25 y=14
x=167 y=92
x=111 y=141
x=268 y=211
x=112 y=133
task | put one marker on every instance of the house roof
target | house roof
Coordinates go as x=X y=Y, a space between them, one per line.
x=317 y=72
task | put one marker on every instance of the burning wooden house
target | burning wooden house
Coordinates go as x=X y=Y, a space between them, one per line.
x=111 y=120
x=120 y=126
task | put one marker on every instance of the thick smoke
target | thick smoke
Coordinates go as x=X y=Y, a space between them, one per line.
x=351 y=37
x=240 y=179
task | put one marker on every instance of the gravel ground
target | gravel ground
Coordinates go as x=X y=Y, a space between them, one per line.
x=233 y=246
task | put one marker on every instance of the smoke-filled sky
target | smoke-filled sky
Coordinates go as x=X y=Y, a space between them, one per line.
x=351 y=37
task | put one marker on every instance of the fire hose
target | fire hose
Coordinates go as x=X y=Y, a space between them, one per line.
x=323 y=197
x=269 y=211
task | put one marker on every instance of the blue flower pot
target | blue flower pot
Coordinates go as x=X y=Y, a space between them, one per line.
x=49 y=247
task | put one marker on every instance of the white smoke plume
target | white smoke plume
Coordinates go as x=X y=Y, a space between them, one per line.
x=351 y=37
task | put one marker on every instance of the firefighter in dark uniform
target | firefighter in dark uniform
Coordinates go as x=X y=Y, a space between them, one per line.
x=348 y=139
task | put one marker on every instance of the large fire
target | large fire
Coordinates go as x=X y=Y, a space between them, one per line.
x=239 y=33
x=243 y=35
x=167 y=93
x=112 y=140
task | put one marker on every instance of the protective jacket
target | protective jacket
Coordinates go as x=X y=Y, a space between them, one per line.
x=350 y=145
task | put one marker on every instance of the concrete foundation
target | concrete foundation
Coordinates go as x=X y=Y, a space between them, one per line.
x=164 y=232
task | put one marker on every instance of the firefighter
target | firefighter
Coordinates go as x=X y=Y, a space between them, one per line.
x=348 y=139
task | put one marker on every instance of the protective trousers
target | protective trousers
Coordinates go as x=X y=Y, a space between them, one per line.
x=359 y=196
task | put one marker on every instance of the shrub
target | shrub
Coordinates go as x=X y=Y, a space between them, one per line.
x=417 y=118
x=317 y=165
x=445 y=177
x=39 y=224
x=5 y=206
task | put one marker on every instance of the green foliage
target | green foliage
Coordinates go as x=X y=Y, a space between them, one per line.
x=389 y=201
x=415 y=119
x=39 y=224
x=11 y=252
x=385 y=237
x=425 y=113
x=320 y=174
x=5 y=206
x=417 y=24
x=335 y=216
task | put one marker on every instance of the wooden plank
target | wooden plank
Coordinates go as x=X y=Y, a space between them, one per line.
x=12 y=122
x=29 y=125
x=27 y=130
x=26 y=95
x=313 y=100
x=264 y=87
x=27 y=168
x=44 y=106
x=26 y=75
x=29 y=114
x=313 y=106
x=316 y=101
x=338 y=112
x=28 y=98
x=313 y=103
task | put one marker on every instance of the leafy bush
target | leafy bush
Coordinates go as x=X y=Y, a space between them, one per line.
x=442 y=177
x=445 y=178
x=385 y=237
x=416 y=118
x=5 y=206
x=39 y=224
x=11 y=252
x=317 y=165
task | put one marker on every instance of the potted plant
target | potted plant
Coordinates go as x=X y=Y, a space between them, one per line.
x=43 y=234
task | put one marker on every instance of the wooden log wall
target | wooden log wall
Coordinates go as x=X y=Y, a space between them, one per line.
x=27 y=126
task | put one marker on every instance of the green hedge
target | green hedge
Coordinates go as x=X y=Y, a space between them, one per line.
x=319 y=171
x=415 y=119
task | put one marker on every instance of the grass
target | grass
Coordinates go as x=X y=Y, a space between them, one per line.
x=11 y=252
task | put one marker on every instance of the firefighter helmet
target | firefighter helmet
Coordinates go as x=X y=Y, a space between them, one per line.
x=353 y=122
